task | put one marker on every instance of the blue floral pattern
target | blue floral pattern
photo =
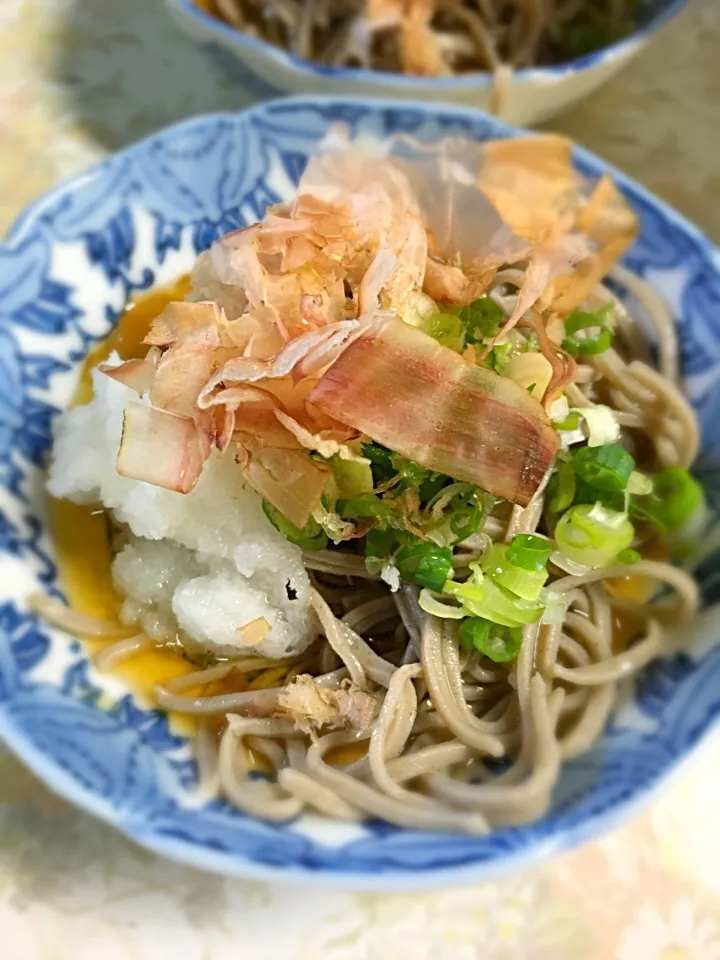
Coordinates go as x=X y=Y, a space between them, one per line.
x=65 y=272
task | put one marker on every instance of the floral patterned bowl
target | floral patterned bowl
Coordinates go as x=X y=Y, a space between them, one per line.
x=66 y=271
x=533 y=95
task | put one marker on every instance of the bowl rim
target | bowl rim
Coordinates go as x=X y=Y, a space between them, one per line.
x=532 y=852
x=401 y=880
x=234 y=38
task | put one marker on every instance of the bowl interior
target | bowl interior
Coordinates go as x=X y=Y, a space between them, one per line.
x=649 y=16
x=66 y=271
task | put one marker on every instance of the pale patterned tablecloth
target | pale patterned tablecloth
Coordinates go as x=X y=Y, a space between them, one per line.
x=81 y=77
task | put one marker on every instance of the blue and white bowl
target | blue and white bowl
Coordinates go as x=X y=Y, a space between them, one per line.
x=66 y=270
x=533 y=95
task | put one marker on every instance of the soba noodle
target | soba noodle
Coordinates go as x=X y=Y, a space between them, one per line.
x=433 y=37
x=464 y=34
x=445 y=717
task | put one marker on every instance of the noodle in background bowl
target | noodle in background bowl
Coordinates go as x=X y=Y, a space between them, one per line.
x=530 y=96
x=66 y=270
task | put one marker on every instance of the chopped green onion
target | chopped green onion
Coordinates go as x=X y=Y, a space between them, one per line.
x=506 y=608
x=352 y=477
x=675 y=498
x=606 y=516
x=482 y=319
x=556 y=605
x=640 y=511
x=520 y=581
x=333 y=525
x=571 y=422
x=472 y=589
x=598 y=343
x=380 y=459
x=385 y=465
x=488 y=599
x=466 y=514
x=441 y=534
x=430 y=604
x=529 y=552
x=411 y=474
x=561 y=489
x=472 y=630
x=447 y=329
x=366 y=505
x=628 y=556
x=374 y=565
x=607 y=467
x=310 y=537
x=500 y=356
x=592 y=343
x=613 y=500
x=584 y=319
x=497 y=643
x=639 y=484
x=465 y=521
x=431 y=486
x=425 y=564
x=380 y=543
x=457 y=512
x=417 y=307
x=602 y=424
x=593 y=535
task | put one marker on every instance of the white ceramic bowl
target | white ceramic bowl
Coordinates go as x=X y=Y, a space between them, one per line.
x=531 y=96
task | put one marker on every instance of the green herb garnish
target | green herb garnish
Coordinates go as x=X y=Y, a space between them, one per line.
x=591 y=343
x=425 y=564
x=482 y=319
x=500 y=644
x=606 y=468
x=310 y=537
x=529 y=552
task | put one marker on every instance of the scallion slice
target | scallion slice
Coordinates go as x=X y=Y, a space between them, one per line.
x=520 y=581
x=606 y=468
x=529 y=551
x=570 y=422
x=367 y=505
x=447 y=328
x=593 y=535
x=585 y=319
x=597 y=343
x=380 y=460
x=675 y=498
x=488 y=599
x=466 y=514
x=561 y=489
x=352 y=477
x=311 y=537
x=500 y=644
x=591 y=343
x=629 y=556
x=425 y=564
x=482 y=319
x=380 y=543
x=446 y=611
